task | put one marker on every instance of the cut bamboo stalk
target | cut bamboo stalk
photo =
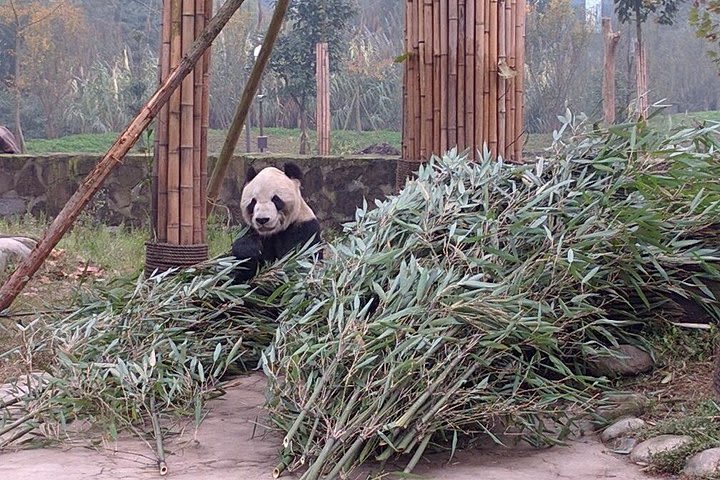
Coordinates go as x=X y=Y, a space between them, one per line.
x=187 y=130
x=94 y=180
x=243 y=107
x=406 y=99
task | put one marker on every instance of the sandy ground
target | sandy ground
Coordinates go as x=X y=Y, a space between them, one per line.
x=231 y=445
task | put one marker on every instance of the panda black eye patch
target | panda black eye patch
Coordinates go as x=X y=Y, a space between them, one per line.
x=279 y=204
x=251 y=206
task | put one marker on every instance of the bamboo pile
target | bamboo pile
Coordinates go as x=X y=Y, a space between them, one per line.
x=463 y=77
x=180 y=169
x=323 y=98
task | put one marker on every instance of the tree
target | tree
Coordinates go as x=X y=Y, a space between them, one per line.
x=705 y=17
x=43 y=58
x=638 y=11
x=560 y=68
x=293 y=60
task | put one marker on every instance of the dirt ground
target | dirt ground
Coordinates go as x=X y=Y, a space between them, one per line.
x=230 y=444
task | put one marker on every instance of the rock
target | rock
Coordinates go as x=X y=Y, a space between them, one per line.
x=629 y=360
x=623 y=446
x=622 y=405
x=621 y=428
x=703 y=464
x=644 y=451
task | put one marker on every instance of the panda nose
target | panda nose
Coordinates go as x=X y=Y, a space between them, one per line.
x=262 y=220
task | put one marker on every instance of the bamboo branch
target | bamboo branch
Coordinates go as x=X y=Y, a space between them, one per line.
x=243 y=107
x=113 y=157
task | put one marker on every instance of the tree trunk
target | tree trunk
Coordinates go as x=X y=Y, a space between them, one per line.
x=611 y=40
x=94 y=180
x=16 y=83
x=303 y=128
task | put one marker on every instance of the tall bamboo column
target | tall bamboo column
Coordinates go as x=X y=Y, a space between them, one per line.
x=463 y=79
x=180 y=168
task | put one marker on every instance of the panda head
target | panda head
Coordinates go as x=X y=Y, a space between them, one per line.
x=271 y=200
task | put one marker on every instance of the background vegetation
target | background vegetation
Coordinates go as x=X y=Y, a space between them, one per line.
x=97 y=81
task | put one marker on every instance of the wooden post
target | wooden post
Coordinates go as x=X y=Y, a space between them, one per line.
x=610 y=40
x=94 y=180
x=322 y=109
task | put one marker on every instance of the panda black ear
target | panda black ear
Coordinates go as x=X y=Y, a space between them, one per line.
x=250 y=174
x=293 y=171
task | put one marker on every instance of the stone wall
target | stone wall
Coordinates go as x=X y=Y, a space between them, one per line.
x=41 y=185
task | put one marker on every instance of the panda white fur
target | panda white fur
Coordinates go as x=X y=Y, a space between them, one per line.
x=277 y=215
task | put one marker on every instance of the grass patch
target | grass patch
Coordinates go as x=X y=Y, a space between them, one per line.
x=700 y=422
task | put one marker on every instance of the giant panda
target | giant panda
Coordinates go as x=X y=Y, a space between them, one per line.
x=277 y=217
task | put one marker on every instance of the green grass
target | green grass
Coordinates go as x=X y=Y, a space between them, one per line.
x=280 y=140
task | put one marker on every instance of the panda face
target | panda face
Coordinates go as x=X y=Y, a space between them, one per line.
x=271 y=201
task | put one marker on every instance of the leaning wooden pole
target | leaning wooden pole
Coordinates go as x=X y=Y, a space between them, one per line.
x=322 y=76
x=241 y=112
x=94 y=180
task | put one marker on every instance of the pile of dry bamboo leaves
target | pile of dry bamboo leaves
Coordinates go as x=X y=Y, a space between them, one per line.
x=469 y=304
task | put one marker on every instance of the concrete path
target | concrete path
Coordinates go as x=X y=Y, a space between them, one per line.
x=229 y=445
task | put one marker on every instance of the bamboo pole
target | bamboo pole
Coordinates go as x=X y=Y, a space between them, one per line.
x=187 y=130
x=461 y=76
x=427 y=106
x=94 y=180
x=452 y=72
x=501 y=80
x=520 y=79
x=418 y=64
x=161 y=153
x=437 y=74
x=510 y=8
x=198 y=101
x=173 y=177
x=470 y=75
x=205 y=126
x=494 y=76
x=412 y=80
x=406 y=99
x=487 y=74
x=480 y=72
x=245 y=101
x=444 y=65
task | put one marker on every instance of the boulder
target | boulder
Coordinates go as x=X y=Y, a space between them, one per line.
x=703 y=464
x=621 y=428
x=644 y=451
x=627 y=360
